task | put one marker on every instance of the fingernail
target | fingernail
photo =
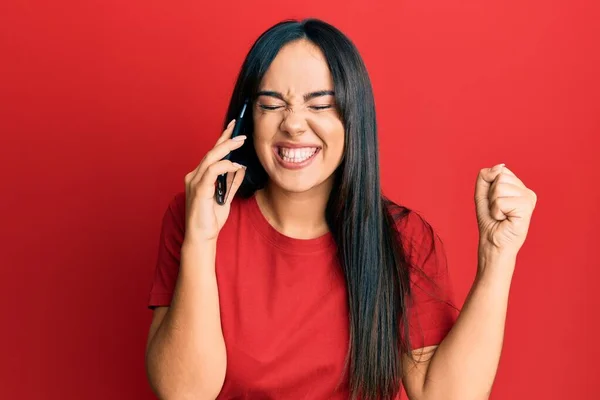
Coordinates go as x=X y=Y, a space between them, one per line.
x=238 y=166
x=239 y=138
x=231 y=123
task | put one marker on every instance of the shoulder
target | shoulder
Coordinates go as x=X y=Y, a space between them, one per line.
x=174 y=214
x=176 y=205
x=413 y=227
x=421 y=243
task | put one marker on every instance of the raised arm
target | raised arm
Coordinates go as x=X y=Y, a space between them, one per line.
x=464 y=365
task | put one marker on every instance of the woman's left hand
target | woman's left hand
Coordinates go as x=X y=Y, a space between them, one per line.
x=504 y=206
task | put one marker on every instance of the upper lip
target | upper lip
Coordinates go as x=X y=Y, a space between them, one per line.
x=289 y=145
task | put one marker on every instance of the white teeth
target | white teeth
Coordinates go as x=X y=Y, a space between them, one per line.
x=297 y=155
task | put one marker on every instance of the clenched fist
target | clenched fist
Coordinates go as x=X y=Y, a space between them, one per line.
x=504 y=206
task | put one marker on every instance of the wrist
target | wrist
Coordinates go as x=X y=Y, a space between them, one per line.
x=496 y=261
x=196 y=247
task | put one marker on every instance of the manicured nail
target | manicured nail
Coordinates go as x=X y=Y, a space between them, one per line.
x=239 y=138
x=238 y=166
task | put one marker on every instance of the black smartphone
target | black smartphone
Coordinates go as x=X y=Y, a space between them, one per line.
x=222 y=179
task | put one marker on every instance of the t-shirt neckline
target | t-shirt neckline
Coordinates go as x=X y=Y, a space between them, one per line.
x=278 y=239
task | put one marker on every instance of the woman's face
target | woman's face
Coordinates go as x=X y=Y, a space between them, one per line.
x=298 y=134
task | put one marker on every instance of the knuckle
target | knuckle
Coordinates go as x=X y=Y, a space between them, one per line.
x=211 y=168
x=496 y=191
x=203 y=161
x=197 y=187
x=533 y=196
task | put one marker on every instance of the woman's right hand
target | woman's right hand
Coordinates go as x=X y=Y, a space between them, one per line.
x=203 y=215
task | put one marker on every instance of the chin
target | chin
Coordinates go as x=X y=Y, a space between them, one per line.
x=295 y=187
x=299 y=185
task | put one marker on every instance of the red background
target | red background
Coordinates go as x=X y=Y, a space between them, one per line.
x=105 y=105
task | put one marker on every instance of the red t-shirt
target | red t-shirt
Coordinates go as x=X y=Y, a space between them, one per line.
x=283 y=302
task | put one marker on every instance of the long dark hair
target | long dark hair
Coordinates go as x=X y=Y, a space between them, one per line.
x=361 y=219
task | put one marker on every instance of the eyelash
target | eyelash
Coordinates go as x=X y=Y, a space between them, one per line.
x=274 y=108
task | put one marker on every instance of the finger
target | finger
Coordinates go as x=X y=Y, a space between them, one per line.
x=205 y=186
x=217 y=153
x=504 y=179
x=507 y=176
x=235 y=184
x=505 y=190
x=484 y=180
x=508 y=171
x=229 y=179
x=509 y=207
x=226 y=133
x=224 y=136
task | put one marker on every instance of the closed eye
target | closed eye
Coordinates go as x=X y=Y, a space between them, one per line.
x=273 y=108
x=265 y=107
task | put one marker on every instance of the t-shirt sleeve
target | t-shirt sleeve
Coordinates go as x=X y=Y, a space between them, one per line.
x=169 y=253
x=431 y=308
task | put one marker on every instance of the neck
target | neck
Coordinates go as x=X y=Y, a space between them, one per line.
x=296 y=215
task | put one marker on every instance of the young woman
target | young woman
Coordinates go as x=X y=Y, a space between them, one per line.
x=308 y=283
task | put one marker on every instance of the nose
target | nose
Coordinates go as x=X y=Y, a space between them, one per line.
x=293 y=123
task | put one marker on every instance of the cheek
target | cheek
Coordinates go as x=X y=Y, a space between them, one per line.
x=263 y=131
x=262 y=148
x=331 y=131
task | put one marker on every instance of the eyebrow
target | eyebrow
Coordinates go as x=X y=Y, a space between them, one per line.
x=307 y=96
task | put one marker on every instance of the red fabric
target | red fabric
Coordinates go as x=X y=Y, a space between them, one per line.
x=283 y=302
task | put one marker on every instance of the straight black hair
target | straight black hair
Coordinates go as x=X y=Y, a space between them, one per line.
x=362 y=221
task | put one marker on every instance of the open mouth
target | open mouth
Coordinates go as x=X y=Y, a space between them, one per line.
x=297 y=155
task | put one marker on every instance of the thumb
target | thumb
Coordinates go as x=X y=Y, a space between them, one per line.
x=235 y=184
x=482 y=187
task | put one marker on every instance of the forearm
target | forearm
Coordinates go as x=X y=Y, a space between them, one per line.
x=465 y=363
x=187 y=357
